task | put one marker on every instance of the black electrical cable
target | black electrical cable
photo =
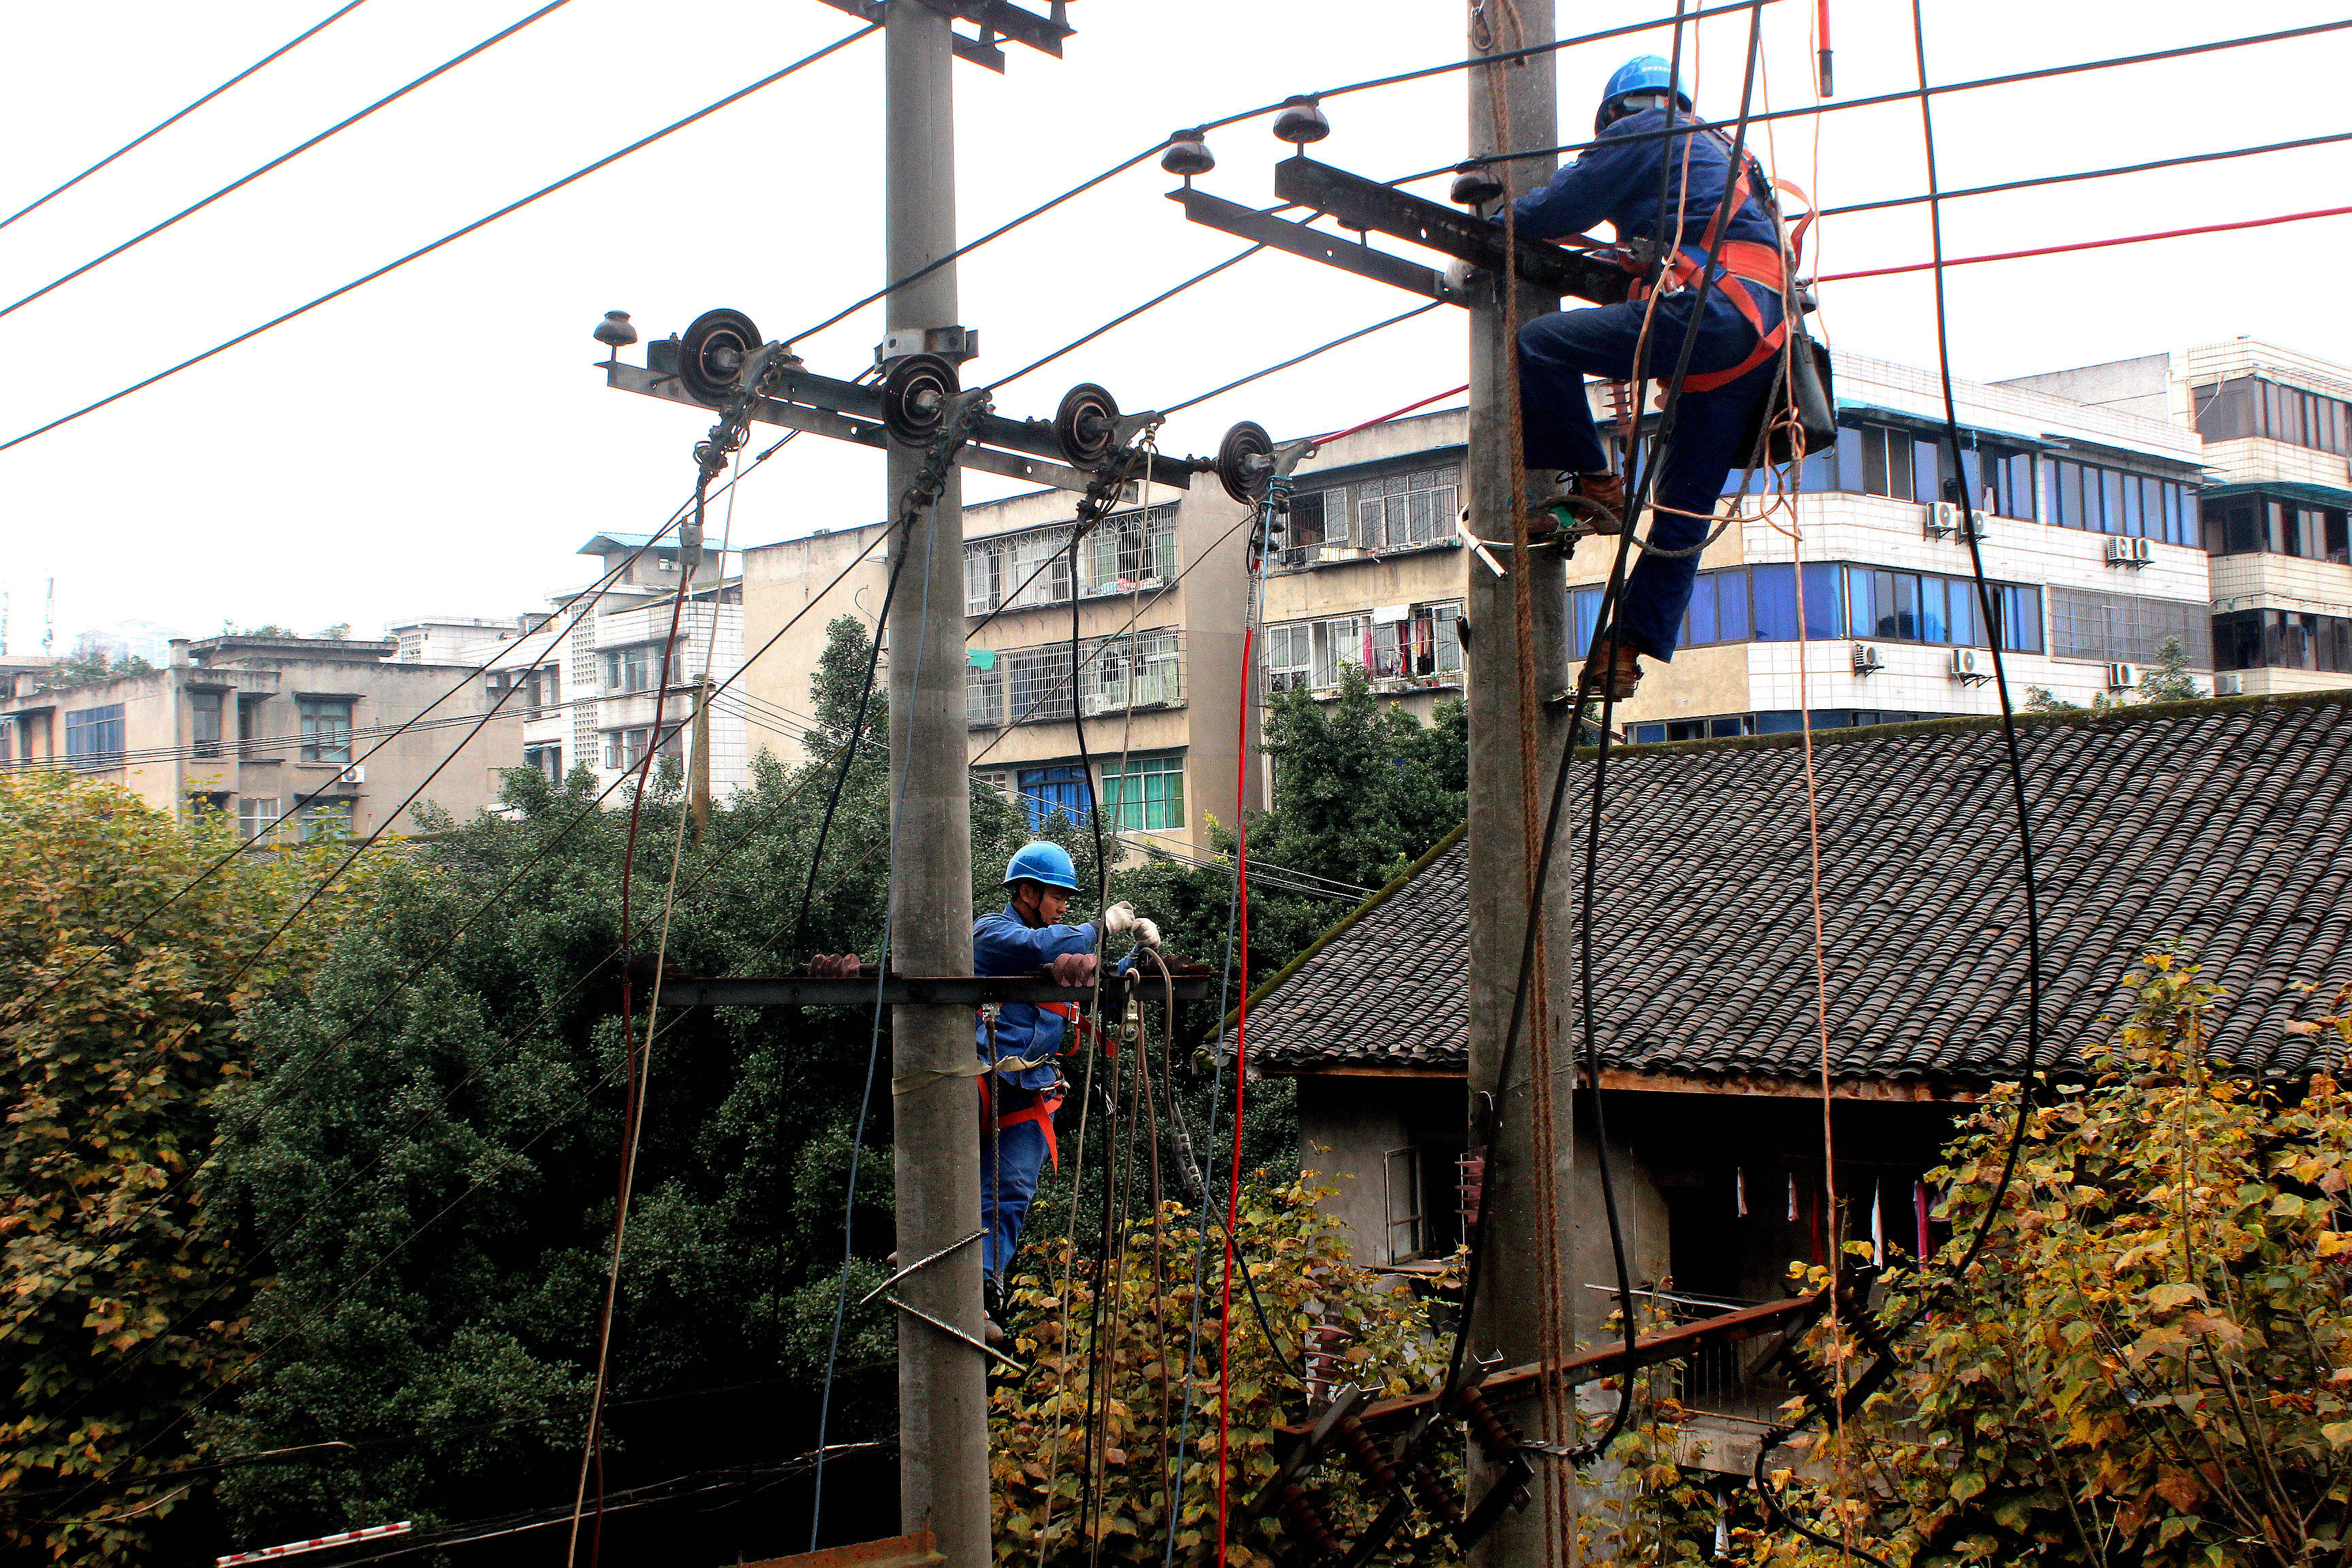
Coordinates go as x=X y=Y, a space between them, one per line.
x=167 y=123
x=1124 y=317
x=1302 y=359
x=454 y=234
x=292 y=152
x=1933 y=196
x=1905 y=95
x=1774 y=1509
x=1124 y=165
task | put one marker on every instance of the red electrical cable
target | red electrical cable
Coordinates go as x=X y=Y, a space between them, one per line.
x=1396 y=414
x=2090 y=244
x=1240 y=1080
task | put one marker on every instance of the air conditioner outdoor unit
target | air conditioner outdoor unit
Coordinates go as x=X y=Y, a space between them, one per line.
x=1942 y=519
x=1094 y=703
x=2129 y=553
x=2229 y=686
x=355 y=774
x=1970 y=666
x=1337 y=552
x=1866 y=660
x=2121 y=677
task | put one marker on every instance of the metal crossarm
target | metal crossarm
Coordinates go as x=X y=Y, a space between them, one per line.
x=948 y=990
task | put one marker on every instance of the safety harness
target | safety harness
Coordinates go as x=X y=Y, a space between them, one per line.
x=1744 y=260
x=1046 y=1102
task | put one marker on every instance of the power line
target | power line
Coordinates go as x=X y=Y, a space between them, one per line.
x=1951 y=261
x=1302 y=359
x=1908 y=94
x=167 y=123
x=454 y=234
x=1933 y=195
x=292 y=152
x=1120 y=320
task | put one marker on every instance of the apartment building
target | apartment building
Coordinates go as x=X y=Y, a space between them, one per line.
x=1158 y=589
x=291 y=735
x=2276 y=429
x=584 y=674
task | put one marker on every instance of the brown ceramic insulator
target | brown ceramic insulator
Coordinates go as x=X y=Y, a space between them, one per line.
x=1367 y=1454
x=1430 y=1488
x=1308 y=1525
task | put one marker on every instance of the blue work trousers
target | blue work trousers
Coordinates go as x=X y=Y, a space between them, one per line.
x=1559 y=350
x=1011 y=1161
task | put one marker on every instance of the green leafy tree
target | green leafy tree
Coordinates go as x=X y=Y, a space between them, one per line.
x=428 y=1170
x=2145 y=1366
x=122 y=1285
x=91 y=663
x=2168 y=680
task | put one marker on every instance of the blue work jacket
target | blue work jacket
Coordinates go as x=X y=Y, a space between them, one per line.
x=1617 y=179
x=1002 y=943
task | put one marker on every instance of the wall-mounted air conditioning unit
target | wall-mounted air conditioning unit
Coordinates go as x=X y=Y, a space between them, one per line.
x=355 y=774
x=2229 y=686
x=2121 y=677
x=1094 y=703
x=2129 y=553
x=1866 y=660
x=1947 y=520
x=1970 y=666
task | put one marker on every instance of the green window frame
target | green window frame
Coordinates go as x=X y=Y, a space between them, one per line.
x=1148 y=797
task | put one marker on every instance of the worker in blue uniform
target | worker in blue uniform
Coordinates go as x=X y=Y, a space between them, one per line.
x=1739 y=334
x=1023 y=1085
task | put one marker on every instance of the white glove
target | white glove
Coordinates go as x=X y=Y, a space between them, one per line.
x=1119 y=919
x=1147 y=932
x=1457 y=275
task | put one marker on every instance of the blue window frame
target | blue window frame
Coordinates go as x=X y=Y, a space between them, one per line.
x=94 y=736
x=1045 y=792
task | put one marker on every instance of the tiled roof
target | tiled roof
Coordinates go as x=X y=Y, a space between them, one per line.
x=2218 y=827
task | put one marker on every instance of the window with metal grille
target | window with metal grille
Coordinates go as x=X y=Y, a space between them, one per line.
x=204 y=723
x=2121 y=628
x=1146 y=796
x=1407 y=509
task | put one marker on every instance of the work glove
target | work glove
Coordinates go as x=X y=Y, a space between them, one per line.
x=835 y=966
x=1147 y=932
x=1119 y=919
x=1074 y=969
x=1457 y=275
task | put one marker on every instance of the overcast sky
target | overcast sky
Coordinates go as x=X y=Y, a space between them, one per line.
x=439 y=442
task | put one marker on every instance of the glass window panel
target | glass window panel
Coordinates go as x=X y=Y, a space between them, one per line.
x=1586 y=607
x=1731 y=604
x=1698 y=622
x=326 y=730
x=2111 y=499
x=1445 y=622
x=1874 y=477
x=204 y=723
x=1821 y=602
x=1858 y=612
x=1853 y=466
x=1927 y=477
x=1774 y=591
x=1933 y=624
x=1148 y=797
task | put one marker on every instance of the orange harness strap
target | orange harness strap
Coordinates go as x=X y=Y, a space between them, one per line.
x=1039 y=1111
x=1746 y=261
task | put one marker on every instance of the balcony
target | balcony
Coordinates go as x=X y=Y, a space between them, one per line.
x=1133 y=672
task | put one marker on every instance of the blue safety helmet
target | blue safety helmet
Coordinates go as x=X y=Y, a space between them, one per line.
x=1641 y=77
x=1046 y=864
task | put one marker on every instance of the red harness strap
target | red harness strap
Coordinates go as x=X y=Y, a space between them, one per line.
x=1081 y=1026
x=1039 y=1111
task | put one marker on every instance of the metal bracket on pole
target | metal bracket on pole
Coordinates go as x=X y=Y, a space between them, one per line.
x=955 y=1333
x=1369 y=208
x=996 y=20
x=852 y=411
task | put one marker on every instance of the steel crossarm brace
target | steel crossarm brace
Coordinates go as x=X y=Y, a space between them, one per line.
x=1299 y=239
x=1357 y=203
x=947 y=990
x=973 y=49
x=852 y=411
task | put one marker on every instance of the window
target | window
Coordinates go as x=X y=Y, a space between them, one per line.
x=1148 y=797
x=631 y=668
x=2248 y=406
x=1774 y=590
x=2282 y=639
x=204 y=723
x=1021 y=570
x=1290 y=656
x=1407 y=509
x=327 y=819
x=1308 y=654
x=1400 y=1201
x=1316 y=518
x=1417 y=641
x=326 y=729
x=1759 y=603
x=1047 y=790
x=1719 y=609
x=257 y=815
x=546 y=688
x=1129 y=549
x=2111 y=501
x=2245 y=524
x=1884 y=455
x=983 y=689
x=626 y=748
x=248 y=724
x=546 y=760
x=2116 y=628
x=94 y=736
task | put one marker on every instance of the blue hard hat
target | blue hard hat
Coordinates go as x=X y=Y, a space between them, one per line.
x=1047 y=864
x=1642 y=74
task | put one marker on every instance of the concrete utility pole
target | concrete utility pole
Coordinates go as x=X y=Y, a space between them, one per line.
x=942 y=1395
x=1511 y=1296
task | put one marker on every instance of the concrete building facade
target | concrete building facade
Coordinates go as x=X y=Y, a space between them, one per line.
x=2277 y=431
x=279 y=735
x=1159 y=592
